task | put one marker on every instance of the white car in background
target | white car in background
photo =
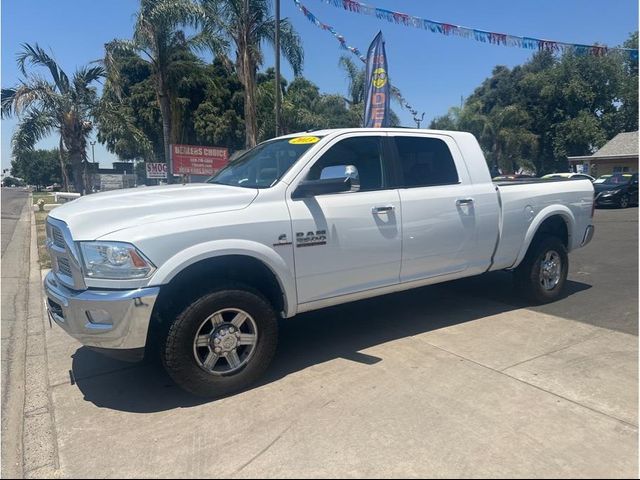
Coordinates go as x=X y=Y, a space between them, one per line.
x=570 y=175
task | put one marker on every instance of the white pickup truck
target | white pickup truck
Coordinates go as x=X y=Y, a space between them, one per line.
x=301 y=222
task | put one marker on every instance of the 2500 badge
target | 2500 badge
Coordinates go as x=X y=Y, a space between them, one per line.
x=311 y=239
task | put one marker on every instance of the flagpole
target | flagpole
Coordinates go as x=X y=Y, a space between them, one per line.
x=277 y=55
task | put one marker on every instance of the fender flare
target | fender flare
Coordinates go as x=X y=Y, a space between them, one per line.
x=221 y=248
x=544 y=214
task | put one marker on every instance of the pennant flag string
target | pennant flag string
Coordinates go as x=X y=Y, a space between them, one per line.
x=476 y=34
x=343 y=44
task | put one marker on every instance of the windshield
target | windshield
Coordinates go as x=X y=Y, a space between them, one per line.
x=618 y=180
x=264 y=165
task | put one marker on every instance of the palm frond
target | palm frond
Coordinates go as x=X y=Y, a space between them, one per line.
x=36 y=91
x=85 y=76
x=34 y=126
x=290 y=42
x=36 y=56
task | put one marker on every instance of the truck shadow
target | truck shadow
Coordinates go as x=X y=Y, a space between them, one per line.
x=307 y=340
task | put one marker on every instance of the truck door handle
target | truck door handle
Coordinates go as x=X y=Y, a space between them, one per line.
x=464 y=201
x=385 y=209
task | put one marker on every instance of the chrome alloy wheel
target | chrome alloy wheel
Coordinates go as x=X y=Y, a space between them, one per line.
x=225 y=341
x=550 y=270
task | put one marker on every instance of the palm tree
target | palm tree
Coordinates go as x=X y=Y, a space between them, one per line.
x=356 y=78
x=504 y=135
x=247 y=24
x=62 y=105
x=156 y=38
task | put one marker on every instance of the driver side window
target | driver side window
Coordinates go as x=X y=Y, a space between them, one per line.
x=364 y=153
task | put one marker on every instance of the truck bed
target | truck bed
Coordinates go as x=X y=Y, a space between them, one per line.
x=522 y=202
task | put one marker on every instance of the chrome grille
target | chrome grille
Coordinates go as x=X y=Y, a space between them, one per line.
x=57 y=237
x=64 y=260
x=64 y=267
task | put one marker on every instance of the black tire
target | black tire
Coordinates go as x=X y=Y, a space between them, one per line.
x=178 y=355
x=527 y=274
x=624 y=201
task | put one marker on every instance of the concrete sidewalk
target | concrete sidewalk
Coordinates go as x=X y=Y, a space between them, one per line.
x=418 y=384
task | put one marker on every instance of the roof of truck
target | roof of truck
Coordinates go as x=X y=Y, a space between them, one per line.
x=330 y=131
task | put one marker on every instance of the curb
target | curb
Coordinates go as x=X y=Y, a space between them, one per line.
x=40 y=446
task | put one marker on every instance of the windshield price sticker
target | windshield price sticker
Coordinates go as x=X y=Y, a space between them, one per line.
x=304 y=140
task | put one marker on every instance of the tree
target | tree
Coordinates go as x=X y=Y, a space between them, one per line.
x=357 y=92
x=356 y=77
x=66 y=106
x=246 y=24
x=38 y=167
x=12 y=182
x=156 y=38
x=535 y=115
x=218 y=119
x=304 y=107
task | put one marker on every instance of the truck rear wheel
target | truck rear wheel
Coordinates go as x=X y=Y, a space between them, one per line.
x=543 y=273
x=222 y=342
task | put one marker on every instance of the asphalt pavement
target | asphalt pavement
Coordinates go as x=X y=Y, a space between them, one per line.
x=602 y=287
x=16 y=221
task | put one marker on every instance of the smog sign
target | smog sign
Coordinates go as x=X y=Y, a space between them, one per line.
x=156 y=170
x=198 y=160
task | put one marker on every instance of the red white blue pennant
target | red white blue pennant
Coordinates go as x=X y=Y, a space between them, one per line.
x=484 y=36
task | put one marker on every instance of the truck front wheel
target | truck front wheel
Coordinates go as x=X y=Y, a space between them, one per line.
x=543 y=273
x=222 y=342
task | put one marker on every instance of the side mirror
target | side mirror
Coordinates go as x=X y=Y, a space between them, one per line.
x=335 y=179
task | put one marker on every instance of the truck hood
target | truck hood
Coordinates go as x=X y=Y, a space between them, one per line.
x=94 y=216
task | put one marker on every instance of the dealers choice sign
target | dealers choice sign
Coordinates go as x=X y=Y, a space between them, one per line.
x=198 y=160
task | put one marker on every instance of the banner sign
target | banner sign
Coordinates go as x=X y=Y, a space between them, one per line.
x=198 y=160
x=156 y=170
x=377 y=106
x=474 y=33
x=343 y=44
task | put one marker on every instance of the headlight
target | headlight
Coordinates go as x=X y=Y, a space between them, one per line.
x=114 y=260
x=612 y=192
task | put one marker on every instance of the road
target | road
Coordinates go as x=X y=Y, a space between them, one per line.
x=452 y=380
x=16 y=236
x=603 y=281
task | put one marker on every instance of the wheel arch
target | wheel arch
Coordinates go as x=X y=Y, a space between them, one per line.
x=557 y=220
x=241 y=261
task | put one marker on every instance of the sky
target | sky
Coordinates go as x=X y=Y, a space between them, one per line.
x=433 y=72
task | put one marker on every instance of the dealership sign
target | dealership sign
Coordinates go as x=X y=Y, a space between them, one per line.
x=198 y=160
x=156 y=170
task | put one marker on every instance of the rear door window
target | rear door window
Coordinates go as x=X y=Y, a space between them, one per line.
x=425 y=162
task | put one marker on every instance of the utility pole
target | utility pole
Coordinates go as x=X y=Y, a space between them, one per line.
x=418 y=120
x=277 y=58
x=93 y=152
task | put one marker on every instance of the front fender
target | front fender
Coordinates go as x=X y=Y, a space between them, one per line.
x=220 y=248
x=547 y=212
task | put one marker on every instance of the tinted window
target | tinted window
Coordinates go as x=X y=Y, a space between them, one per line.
x=426 y=161
x=364 y=153
x=618 y=179
x=262 y=166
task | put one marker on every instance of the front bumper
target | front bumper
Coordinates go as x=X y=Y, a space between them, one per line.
x=104 y=319
x=607 y=199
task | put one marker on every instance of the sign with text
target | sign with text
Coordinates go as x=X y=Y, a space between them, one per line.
x=156 y=170
x=198 y=160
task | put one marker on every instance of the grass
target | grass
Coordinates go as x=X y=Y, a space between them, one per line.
x=43 y=253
